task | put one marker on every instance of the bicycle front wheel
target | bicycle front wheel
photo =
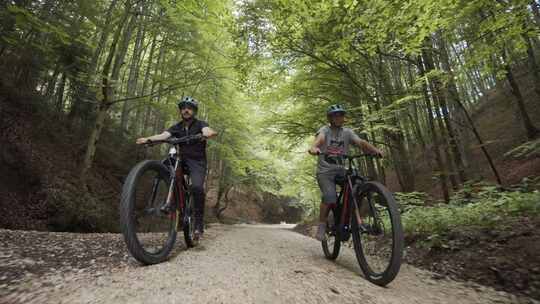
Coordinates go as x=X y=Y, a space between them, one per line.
x=377 y=233
x=331 y=244
x=189 y=222
x=149 y=231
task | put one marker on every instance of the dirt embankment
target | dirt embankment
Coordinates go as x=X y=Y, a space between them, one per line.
x=497 y=120
x=40 y=157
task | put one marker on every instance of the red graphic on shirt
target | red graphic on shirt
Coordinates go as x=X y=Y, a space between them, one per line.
x=336 y=147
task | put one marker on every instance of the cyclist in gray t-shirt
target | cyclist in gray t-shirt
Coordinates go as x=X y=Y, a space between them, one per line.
x=334 y=140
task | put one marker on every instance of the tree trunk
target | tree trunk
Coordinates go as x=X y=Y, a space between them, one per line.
x=160 y=119
x=414 y=117
x=51 y=83
x=435 y=88
x=93 y=140
x=533 y=66
x=531 y=130
x=436 y=143
x=120 y=55
x=398 y=151
x=140 y=125
x=481 y=142
x=133 y=75
x=81 y=107
x=453 y=94
x=536 y=12
x=219 y=211
x=60 y=93
x=103 y=105
x=149 y=112
x=223 y=189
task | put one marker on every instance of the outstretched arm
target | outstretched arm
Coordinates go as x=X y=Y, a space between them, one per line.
x=315 y=148
x=367 y=147
x=161 y=136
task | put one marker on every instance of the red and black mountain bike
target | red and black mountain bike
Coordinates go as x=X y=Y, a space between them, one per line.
x=367 y=211
x=157 y=203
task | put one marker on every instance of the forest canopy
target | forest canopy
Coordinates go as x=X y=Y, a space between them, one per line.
x=411 y=74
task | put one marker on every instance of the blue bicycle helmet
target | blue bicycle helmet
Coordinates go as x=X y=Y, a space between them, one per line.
x=190 y=102
x=335 y=109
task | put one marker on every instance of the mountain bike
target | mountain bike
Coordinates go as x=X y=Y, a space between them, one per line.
x=367 y=211
x=156 y=203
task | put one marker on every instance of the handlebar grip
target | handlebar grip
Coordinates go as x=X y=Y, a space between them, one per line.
x=150 y=142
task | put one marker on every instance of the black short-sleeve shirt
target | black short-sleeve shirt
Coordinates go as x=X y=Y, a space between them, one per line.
x=192 y=150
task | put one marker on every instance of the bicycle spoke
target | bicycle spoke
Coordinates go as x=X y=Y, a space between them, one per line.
x=153 y=225
x=331 y=245
x=374 y=239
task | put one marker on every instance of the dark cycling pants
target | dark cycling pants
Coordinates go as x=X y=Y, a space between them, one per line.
x=197 y=169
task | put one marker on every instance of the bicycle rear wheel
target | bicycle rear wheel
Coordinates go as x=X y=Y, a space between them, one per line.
x=331 y=245
x=377 y=233
x=149 y=233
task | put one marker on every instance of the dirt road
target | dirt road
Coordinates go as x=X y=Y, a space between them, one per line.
x=247 y=264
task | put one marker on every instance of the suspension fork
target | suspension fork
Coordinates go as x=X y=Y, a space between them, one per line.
x=155 y=184
x=171 y=193
x=176 y=196
x=371 y=210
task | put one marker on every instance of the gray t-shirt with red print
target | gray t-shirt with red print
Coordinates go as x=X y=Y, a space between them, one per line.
x=336 y=142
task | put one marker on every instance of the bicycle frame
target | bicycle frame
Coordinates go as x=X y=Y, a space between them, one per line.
x=345 y=197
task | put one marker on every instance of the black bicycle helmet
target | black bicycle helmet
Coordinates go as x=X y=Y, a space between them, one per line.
x=188 y=101
x=335 y=109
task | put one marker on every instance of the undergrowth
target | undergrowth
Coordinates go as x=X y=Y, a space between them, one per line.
x=479 y=205
x=527 y=150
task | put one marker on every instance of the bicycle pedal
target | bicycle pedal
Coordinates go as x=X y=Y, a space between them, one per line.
x=370 y=229
x=167 y=208
x=197 y=236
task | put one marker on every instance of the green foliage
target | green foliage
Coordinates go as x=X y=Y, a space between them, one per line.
x=367 y=55
x=529 y=149
x=265 y=71
x=409 y=200
x=527 y=184
x=474 y=191
x=490 y=208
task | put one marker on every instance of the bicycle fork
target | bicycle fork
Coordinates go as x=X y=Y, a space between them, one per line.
x=356 y=210
x=175 y=197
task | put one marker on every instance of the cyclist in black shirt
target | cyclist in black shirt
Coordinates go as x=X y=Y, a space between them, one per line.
x=193 y=153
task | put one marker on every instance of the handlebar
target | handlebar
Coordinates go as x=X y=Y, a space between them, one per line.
x=175 y=140
x=349 y=157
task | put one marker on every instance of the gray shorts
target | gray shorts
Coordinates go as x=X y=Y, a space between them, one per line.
x=327 y=184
